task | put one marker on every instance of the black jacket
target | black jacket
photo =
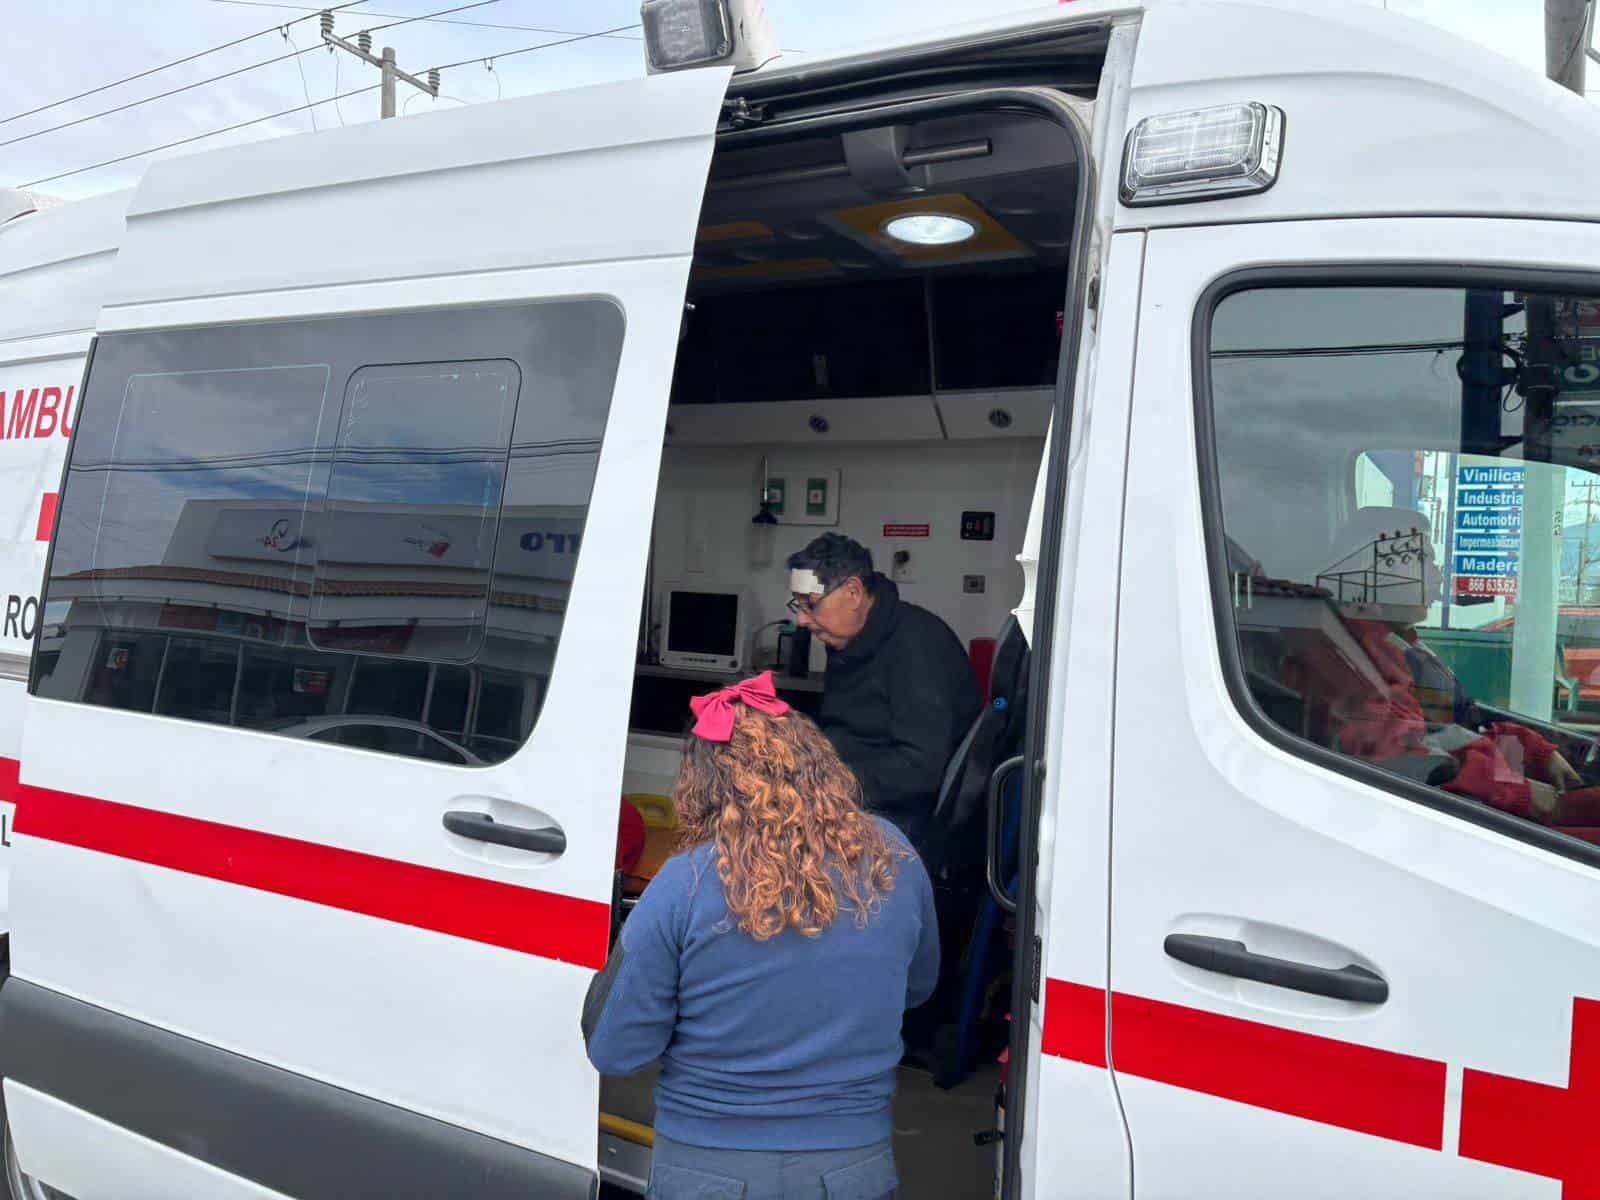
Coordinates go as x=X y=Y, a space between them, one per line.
x=895 y=703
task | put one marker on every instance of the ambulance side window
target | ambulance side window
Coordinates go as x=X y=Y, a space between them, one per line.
x=435 y=430
x=1409 y=545
x=356 y=531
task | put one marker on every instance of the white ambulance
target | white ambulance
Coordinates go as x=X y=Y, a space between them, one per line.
x=51 y=285
x=1267 y=333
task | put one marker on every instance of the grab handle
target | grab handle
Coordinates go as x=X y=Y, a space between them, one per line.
x=482 y=827
x=1228 y=957
x=996 y=820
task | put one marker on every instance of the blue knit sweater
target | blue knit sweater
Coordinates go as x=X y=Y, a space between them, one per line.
x=788 y=1044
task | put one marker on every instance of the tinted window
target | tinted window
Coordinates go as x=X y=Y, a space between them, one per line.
x=1407 y=481
x=122 y=672
x=448 y=699
x=392 y=739
x=197 y=680
x=440 y=432
x=387 y=688
x=502 y=704
x=264 y=525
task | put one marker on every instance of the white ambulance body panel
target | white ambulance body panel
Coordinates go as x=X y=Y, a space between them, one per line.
x=1343 y=73
x=1231 y=1088
x=1485 y=942
x=450 y=1009
x=53 y=271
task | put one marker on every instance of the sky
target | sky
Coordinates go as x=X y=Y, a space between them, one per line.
x=59 y=48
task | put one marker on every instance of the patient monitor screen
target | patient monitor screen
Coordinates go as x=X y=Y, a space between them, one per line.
x=703 y=623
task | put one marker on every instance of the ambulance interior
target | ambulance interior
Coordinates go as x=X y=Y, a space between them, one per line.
x=833 y=376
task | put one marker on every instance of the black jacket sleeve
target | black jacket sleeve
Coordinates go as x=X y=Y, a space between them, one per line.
x=924 y=698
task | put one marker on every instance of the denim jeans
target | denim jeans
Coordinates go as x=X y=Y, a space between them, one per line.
x=680 y=1172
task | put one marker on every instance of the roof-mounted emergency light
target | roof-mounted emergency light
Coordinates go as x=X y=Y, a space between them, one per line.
x=700 y=33
x=1204 y=154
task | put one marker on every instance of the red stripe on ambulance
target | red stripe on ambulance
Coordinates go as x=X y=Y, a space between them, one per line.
x=1378 y=1092
x=47 y=516
x=545 y=924
x=1074 y=1022
x=1541 y=1128
x=1538 y=1127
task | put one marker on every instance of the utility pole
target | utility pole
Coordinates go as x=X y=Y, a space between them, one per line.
x=1533 y=637
x=362 y=49
x=1585 y=560
x=1567 y=25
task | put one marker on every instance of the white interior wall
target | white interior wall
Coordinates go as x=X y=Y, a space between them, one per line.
x=708 y=495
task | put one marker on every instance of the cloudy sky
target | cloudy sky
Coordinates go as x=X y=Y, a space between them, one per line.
x=59 y=48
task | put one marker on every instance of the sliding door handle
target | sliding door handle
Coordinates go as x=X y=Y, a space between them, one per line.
x=1231 y=958
x=482 y=827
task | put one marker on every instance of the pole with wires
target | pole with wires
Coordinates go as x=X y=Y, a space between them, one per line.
x=385 y=62
x=1537 y=625
x=334 y=99
x=1567 y=28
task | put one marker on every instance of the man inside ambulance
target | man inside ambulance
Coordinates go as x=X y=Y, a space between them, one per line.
x=1403 y=708
x=899 y=693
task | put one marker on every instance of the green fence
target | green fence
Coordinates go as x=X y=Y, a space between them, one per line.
x=1481 y=661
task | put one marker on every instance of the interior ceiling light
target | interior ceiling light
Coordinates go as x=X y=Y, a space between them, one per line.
x=930 y=229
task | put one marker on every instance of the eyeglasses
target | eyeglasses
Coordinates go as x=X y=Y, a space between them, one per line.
x=808 y=604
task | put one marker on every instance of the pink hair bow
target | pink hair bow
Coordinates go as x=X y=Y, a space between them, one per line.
x=714 y=712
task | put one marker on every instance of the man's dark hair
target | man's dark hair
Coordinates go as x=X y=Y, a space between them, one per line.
x=835 y=558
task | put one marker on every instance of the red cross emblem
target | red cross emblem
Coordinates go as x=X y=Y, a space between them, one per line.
x=1535 y=1127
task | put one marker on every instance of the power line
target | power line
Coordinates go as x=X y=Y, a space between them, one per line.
x=178 y=62
x=567 y=41
x=121 y=158
x=305 y=88
x=106 y=112
x=583 y=37
x=436 y=20
x=267 y=62
x=433 y=16
x=339 y=112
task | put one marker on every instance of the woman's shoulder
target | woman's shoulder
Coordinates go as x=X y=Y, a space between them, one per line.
x=669 y=899
x=909 y=861
x=678 y=875
x=893 y=835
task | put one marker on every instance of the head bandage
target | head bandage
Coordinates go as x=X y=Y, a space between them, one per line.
x=804 y=582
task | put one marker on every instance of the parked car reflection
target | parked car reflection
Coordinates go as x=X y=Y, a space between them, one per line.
x=389 y=735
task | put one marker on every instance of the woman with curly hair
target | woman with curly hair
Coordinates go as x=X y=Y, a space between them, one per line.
x=767 y=966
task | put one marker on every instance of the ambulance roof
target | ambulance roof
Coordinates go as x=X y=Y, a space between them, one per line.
x=1384 y=114
x=54 y=266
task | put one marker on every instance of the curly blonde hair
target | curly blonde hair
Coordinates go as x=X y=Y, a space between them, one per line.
x=784 y=814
